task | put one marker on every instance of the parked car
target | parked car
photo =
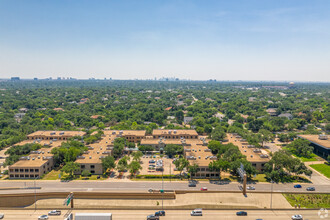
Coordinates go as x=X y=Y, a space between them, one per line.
x=192 y=184
x=297 y=186
x=204 y=188
x=152 y=217
x=160 y=213
x=196 y=212
x=2 y=216
x=43 y=217
x=241 y=213
x=54 y=212
x=311 y=188
x=251 y=188
x=152 y=161
x=297 y=217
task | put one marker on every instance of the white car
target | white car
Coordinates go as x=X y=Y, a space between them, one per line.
x=2 y=216
x=251 y=188
x=297 y=217
x=43 y=217
x=54 y=212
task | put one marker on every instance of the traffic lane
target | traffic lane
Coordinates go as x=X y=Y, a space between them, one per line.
x=144 y=186
x=171 y=214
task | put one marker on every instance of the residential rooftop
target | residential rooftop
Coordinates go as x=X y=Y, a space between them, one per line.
x=57 y=133
x=249 y=152
x=174 y=132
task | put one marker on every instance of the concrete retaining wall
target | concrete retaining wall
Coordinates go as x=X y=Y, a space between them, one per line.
x=26 y=199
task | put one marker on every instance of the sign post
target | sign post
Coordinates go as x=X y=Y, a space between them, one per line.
x=242 y=174
x=69 y=200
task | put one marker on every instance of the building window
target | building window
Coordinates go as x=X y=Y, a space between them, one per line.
x=21 y=175
x=11 y=175
x=254 y=164
x=11 y=170
x=21 y=170
x=31 y=170
x=26 y=170
x=16 y=175
x=31 y=176
x=26 y=176
x=92 y=171
x=36 y=170
x=92 y=166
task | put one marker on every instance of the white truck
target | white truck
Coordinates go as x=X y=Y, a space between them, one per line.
x=93 y=216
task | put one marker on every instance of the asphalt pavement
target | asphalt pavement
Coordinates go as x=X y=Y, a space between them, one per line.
x=143 y=186
x=175 y=214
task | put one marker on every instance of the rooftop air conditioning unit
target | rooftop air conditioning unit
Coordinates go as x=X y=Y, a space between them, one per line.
x=90 y=157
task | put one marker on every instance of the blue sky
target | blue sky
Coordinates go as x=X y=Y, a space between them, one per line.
x=223 y=40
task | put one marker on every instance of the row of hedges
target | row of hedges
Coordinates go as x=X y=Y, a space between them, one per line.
x=157 y=176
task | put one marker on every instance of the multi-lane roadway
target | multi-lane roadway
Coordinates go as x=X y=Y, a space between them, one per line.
x=57 y=186
x=177 y=214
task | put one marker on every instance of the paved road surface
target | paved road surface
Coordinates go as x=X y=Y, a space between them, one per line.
x=175 y=214
x=56 y=186
x=317 y=177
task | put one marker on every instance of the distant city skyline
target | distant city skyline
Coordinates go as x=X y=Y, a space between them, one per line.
x=198 y=40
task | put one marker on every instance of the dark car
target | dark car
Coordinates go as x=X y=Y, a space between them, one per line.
x=152 y=217
x=241 y=213
x=311 y=188
x=160 y=213
x=192 y=184
x=297 y=186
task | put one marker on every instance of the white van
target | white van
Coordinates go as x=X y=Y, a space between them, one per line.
x=196 y=212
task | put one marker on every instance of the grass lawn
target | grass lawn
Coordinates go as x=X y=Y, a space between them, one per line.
x=309 y=200
x=52 y=175
x=322 y=168
x=260 y=178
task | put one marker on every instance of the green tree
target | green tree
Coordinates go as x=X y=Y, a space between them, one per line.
x=122 y=164
x=108 y=162
x=180 y=164
x=85 y=173
x=192 y=170
x=137 y=156
x=214 y=146
x=134 y=167
x=301 y=147
x=218 y=133
x=70 y=168
x=219 y=166
x=173 y=149
x=265 y=136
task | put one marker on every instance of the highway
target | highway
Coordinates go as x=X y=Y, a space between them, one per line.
x=175 y=214
x=57 y=186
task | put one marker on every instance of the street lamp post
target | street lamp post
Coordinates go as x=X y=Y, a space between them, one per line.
x=163 y=189
x=271 y=194
x=35 y=195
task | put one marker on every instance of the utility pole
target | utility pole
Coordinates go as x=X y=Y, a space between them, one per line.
x=163 y=189
x=35 y=195
x=271 y=195
x=271 y=191
x=170 y=172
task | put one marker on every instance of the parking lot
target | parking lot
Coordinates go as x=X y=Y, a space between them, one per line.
x=168 y=166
